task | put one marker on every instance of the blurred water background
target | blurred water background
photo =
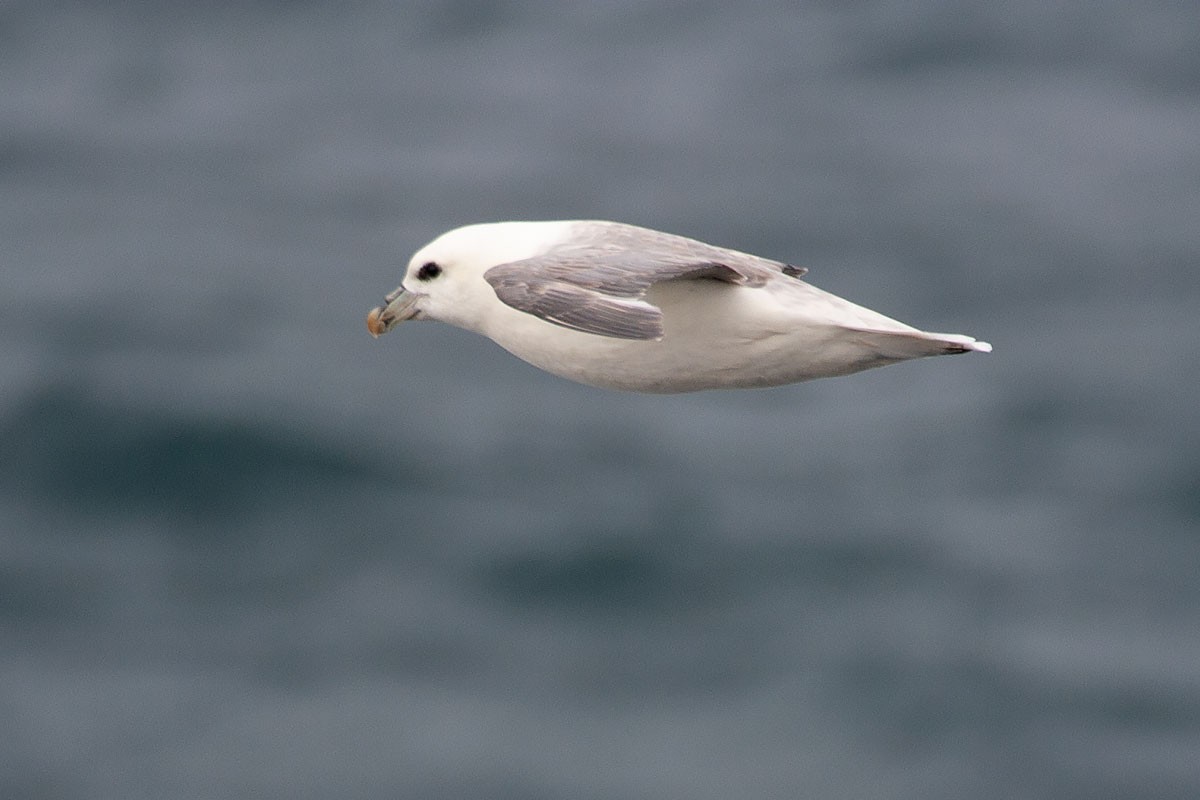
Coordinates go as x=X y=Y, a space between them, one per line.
x=246 y=551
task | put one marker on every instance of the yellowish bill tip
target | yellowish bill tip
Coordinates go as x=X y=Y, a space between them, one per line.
x=374 y=323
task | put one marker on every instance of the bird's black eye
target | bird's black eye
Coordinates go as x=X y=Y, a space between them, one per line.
x=428 y=271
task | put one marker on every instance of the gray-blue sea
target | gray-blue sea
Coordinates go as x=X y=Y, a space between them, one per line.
x=248 y=551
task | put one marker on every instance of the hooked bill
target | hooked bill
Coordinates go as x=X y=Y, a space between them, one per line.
x=375 y=322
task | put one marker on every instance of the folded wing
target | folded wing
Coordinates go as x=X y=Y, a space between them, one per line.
x=601 y=292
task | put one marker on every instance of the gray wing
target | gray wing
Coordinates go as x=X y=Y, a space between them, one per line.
x=598 y=287
x=574 y=306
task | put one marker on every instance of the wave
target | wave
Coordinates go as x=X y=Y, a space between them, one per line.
x=62 y=446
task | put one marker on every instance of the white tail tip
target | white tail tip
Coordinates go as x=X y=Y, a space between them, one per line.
x=961 y=344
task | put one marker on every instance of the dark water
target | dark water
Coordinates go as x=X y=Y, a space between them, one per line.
x=245 y=551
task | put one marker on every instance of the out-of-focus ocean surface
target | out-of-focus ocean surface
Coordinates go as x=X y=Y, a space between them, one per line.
x=247 y=551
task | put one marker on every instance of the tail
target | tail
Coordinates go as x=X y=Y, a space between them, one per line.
x=903 y=345
x=958 y=343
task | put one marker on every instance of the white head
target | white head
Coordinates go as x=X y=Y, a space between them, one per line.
x=444 y=279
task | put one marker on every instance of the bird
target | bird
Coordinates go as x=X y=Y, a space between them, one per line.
x=620 y=306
